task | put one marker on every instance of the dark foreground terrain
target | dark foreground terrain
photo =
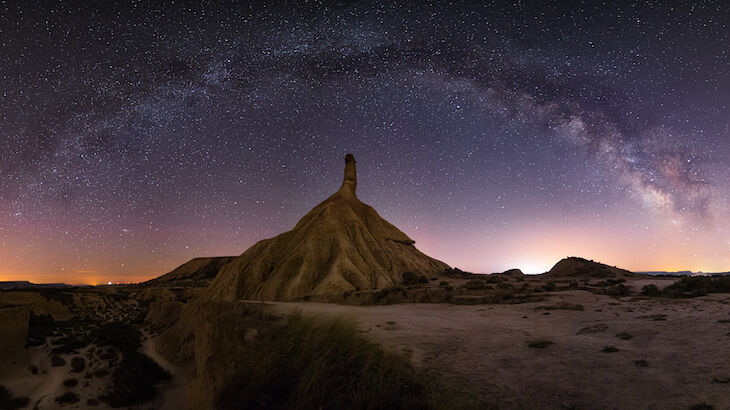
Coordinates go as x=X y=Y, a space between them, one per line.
x=500 y=341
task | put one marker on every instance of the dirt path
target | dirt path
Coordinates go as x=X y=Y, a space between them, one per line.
x=172 y=393
x=486 y=347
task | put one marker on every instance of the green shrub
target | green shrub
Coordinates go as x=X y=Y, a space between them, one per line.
x=650 y=290
x=610 y=349
x=101 y=373
x=641 y=363
x=624 y=336
x=40 y=327
x=691 y=286
x=410 y=278
x=8 y=402
x=118 y=335
x=70 y=344
x=135 y=380
x=78 y=364
x=70 y=382
x=698 y=286
x=67 y=398
x=475 y=285
x=57 y=361
x=539 y=344
x=308 y=364
x=562 y=306
x=618 y=290
x=702 y=406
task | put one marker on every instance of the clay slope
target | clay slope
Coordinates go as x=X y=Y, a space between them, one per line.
x=340 y=245
x=192 y=271
x=574 y=267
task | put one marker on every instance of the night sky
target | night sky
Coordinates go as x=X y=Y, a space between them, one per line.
x=134 y=137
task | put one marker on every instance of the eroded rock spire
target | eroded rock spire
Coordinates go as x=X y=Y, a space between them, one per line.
x=349 y=183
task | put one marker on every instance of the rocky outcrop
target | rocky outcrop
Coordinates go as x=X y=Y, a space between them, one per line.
x=37 y=303
x=574 y=267
x=13 y=333
x=340 y=245
x=14 y=325
x=512 y=273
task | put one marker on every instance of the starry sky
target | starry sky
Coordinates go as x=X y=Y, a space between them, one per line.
x=135 y=136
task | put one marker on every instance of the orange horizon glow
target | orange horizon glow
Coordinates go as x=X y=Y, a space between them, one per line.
x=533 y=243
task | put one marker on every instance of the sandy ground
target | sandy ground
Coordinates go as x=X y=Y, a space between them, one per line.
x=42 y=388
x=485 y=347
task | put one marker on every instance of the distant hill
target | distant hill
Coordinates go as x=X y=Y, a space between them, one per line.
x=21 y=284
x=512 y=272
x=574 y=267
x=197 y=271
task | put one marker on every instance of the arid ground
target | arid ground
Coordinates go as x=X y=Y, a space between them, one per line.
x=669 y=353
x=572 y=348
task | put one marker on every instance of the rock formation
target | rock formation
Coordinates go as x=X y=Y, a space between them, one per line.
x=14 y=325
x=574 y=267
x=340 y=245
x=512 y=273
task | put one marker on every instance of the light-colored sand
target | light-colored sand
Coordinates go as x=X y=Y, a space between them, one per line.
x=44 y=387
x=486 y=348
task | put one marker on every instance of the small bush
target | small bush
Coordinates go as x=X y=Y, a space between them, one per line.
x=78 y=364
x=57 y=361
x=67 y=398
x=8 y=402
x=70 y=382
x=650 y=290
x=410 y=278
x=624 y=336
x=101 y=373
x=549 y=287
x=475 y=285
x=610 y=349
x=641 y=363
x=539 y=344
x=40 y=327
x=702 y=406
x=135 y=380
x=119 y=335
x=92 y=402
x=693 y=286
x=618 y=290
x=70 y=344
x=443 y=283
x=659 y=317
x=320 y=365
x=562 y=306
